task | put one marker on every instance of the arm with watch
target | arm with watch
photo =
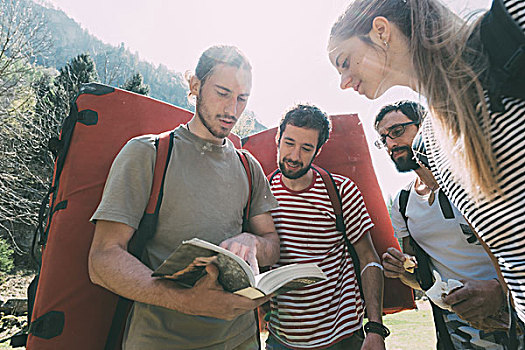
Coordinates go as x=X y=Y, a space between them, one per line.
x=372 y=287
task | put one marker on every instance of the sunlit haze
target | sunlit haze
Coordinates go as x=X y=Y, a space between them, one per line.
x=284 y=40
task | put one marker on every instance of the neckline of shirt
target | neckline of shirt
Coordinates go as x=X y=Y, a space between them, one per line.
x=201 y=144
x=314 y=178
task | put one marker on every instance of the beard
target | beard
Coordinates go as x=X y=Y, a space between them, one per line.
x=295 y=174
x=206 y=119
x=406 y=163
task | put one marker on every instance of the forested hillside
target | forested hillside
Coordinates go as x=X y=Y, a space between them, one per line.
x=114 y=64
x=45 y=57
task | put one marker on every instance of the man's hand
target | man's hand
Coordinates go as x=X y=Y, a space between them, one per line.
x=207 y=298
x=476 y=300
x=373 y=341
x=393 y=263
x=244 y=246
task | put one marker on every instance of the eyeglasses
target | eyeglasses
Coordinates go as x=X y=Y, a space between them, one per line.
x=393 y=132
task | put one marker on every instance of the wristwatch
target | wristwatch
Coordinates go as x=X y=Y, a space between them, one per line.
x=378 y=328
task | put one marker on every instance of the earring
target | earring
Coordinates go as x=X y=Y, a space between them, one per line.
x=386 y=44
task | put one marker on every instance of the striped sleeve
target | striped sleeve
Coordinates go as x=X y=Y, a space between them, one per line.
x=516 y=9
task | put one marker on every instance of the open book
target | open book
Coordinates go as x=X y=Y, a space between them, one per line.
x=187 y=264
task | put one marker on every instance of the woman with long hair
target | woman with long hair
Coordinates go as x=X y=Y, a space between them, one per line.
x=476 y=151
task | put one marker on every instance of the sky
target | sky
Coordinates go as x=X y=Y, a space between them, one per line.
x=285 y=41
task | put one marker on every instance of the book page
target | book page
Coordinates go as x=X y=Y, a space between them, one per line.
x=250 y=292
x=288 y=277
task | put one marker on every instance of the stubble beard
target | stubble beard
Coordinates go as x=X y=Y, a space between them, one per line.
x=203 y=115
x=293 y=175
x=405 y=164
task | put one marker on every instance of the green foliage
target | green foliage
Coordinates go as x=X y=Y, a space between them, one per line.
x=6 y=256
x=80 y=70
x=136 y=84
x=56 y=94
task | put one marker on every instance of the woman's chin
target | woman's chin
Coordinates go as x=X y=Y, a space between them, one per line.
x=376 y=94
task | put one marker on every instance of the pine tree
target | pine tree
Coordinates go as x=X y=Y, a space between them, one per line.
x=71 y=77
x=78 y=71
x=136 y=84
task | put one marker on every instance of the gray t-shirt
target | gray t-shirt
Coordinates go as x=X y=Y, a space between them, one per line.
x=205 y=192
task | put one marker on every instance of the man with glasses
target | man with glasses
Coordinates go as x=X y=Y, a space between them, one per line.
x=433 y=230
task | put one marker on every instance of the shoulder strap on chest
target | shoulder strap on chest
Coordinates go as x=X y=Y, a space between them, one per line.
x=164 y=146
x=335 y=198
x=148 y=224
x=403 y=201
x=246 y=165
x=334 y=195
x=272 y=175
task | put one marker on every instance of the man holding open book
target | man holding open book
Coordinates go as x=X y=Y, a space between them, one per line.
x=206 y=191
x=328 y=314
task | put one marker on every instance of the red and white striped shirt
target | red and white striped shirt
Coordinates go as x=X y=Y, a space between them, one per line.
x=326 y=312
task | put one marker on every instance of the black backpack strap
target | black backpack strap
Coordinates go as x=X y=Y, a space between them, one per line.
x=444 y=203
x=403 y=201
x=146 y=230
x=246 y=213
x=335 y=198
x=272 y=175
x=423 y=271
x=424 y=275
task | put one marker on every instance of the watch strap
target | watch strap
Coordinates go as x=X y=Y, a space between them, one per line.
x=378 y=328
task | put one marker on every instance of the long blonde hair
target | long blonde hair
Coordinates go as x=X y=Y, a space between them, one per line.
x=448 y=63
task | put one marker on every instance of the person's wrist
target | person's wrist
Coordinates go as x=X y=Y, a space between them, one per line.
x=375 y=336
x=377 y=328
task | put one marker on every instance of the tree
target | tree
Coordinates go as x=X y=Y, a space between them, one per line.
x=76 y=72
x=71 y=77
x=136 y=84
x=26 y=165
x=114 y=64
x=23 y=37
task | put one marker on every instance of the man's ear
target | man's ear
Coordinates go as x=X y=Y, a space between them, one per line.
x=381 y=31
x=195 y=85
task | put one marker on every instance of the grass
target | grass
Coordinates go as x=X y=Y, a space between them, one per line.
x=412 y=329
